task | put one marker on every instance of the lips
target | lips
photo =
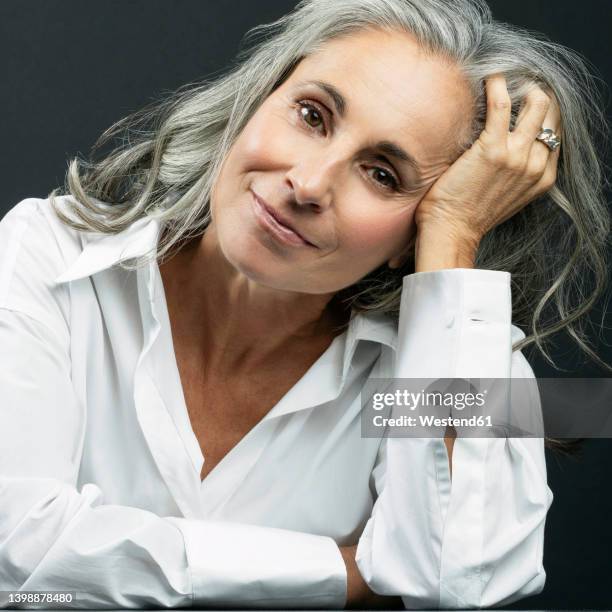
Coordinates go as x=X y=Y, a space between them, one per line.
x=278 y=224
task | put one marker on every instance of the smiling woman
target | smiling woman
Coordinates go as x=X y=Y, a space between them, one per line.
x=192 y=324
x=321 y=158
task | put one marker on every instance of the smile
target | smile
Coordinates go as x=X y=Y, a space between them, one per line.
x=272 y=225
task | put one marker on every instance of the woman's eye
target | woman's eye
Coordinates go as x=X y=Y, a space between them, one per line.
x=311 y=115
x=384 y=177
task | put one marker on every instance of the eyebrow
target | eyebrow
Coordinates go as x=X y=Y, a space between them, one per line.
x=384 y=146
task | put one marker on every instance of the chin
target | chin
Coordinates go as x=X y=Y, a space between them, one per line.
x=251 y=258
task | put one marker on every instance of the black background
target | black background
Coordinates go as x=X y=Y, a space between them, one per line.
x=71 y=68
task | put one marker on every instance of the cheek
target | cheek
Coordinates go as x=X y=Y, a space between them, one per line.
x=253 y=150
x=266 y=142
x=378 y=236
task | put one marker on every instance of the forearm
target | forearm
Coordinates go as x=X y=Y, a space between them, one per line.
x=438 y=248
x=359 y=594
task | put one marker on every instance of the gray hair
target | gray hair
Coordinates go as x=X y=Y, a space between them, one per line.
x=170 y=153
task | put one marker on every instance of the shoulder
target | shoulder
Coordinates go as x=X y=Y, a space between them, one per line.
x=36 y=218
x=35 y=248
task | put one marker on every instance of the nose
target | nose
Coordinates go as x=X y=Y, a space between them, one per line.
x=312 y=182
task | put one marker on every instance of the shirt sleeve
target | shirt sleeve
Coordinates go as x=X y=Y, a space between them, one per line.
x=475 y=541
x=56 y=537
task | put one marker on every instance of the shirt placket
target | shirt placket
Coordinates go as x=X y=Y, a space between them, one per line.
x=160 y=431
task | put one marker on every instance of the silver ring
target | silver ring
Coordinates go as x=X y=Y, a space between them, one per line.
x=549 y=138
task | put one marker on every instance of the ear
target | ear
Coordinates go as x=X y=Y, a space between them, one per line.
x=397 y=261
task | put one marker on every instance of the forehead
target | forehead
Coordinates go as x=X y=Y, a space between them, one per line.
x=394 y=89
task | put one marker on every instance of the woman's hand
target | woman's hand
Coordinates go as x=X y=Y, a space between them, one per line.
x=490 y=182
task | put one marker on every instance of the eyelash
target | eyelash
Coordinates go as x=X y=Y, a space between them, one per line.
x=310 y=104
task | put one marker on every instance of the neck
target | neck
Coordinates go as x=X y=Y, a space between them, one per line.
x=238 y=323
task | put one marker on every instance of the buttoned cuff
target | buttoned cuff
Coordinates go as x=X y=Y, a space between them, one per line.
x=455 y=323
x=241 y=565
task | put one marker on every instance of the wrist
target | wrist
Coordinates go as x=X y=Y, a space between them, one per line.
x=358 y=593
x=443 y=246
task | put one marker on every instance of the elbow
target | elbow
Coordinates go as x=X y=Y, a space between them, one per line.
x=497 y=583
x=33 y=514
x=498 y=594
x=511 y=569
x=516 y=574
x=533 y=586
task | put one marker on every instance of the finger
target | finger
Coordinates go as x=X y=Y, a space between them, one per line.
x=499 y=107
x=552 y=118
x=541 y=158
x=523 y=107
x=530 y=121
x=548 y=178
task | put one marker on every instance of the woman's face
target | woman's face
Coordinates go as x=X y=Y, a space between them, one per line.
x=323 y=156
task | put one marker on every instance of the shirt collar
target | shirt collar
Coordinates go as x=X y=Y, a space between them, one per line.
x=102 y=251
x=372 y=327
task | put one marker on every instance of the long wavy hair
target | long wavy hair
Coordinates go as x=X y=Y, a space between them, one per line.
x=164 y=159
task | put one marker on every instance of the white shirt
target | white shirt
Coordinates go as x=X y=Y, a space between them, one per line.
x=100 y=491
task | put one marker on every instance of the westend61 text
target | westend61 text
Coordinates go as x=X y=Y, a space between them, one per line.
x=432 y=421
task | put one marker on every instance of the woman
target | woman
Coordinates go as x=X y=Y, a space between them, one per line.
x=190 y=328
